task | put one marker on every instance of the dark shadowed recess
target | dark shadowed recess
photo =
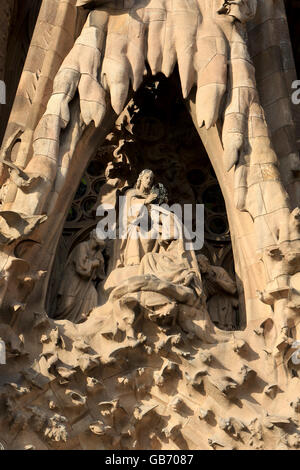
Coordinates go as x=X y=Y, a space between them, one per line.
x=25 y=14
x=293 y=17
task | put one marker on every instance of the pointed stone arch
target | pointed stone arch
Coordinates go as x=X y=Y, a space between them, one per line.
x=79 y=223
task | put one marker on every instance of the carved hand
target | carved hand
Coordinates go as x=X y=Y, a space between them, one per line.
x=151 y=198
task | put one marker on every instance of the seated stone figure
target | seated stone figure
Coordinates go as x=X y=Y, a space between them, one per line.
x=143 y=221
x=77 y=294
x=155 y=273
x=154 y=281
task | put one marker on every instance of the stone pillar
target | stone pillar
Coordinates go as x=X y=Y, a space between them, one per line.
x=272 y=55
x=250 y=271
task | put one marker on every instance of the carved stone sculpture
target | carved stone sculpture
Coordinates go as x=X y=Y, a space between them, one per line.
x=219 y=289
x=136 y=245
x=77 y=293
x=195 y=92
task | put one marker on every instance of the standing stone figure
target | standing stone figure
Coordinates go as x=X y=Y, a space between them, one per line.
x=220 y=292
x=78 y=295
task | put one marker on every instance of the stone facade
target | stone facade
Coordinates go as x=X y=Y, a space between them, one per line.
x=143 y=341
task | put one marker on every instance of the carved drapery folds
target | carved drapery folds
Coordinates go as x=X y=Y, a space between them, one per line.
x=77 y=293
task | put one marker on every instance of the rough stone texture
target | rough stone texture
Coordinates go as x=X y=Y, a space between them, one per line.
x=148 y=368
x=274 y=65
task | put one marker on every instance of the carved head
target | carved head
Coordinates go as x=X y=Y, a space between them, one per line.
x=203 y=263
x=145 y=180
x=242 y=10
x=95 y=241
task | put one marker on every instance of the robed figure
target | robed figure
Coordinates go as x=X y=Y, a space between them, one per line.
x=77 y=295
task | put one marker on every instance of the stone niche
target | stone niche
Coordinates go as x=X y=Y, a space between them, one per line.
x=141 y=342
x=150 y=134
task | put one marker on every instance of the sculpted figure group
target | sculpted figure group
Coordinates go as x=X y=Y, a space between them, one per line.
x=153 y=259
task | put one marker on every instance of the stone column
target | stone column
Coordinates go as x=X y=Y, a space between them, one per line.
x=272 y=55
